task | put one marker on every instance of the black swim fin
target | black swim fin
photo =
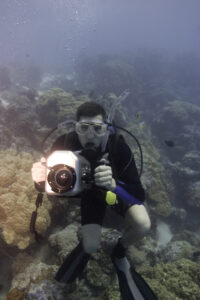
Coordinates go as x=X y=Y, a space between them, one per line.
x=132 y=285
x=73 y=265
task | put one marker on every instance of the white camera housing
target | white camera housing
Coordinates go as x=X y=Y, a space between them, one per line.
x=70 y=163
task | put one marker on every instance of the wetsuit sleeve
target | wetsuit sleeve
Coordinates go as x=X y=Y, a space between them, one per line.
x=127 y=174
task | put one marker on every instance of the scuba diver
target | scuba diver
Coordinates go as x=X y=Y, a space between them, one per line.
x=116 y=182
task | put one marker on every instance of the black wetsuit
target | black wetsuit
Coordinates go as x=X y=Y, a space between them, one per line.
x=93 y=204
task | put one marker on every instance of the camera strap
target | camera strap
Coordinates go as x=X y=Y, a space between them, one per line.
x=38 y=202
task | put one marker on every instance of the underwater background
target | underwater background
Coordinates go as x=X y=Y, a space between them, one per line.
x=54 y=56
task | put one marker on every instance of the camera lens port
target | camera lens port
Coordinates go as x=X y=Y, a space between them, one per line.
x=61 y=178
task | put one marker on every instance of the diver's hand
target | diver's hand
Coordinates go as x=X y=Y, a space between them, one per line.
x=103 y=177
x=38 y=171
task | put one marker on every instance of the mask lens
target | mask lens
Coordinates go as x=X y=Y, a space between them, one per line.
x=99 y=129
x=82 y=128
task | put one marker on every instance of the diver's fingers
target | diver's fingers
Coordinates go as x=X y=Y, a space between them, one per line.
x=103 y=168
x=38 y=177
x=38 y=165
x=43 y=160
x=38 y=172
x=105 y=183
x=103 y=177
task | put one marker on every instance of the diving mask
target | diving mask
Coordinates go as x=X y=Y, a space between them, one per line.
x=83 y=128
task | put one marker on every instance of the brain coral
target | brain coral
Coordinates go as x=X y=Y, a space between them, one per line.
x=17 y=200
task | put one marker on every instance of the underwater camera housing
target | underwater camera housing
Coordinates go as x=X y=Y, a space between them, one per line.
x=68 y=173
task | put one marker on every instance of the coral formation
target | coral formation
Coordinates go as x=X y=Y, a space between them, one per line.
x=180 y=112
x=18 y=120
x=46 y=290
x=35 y=272
x=193 y=198
x=60 y=106
x=65 y=240
x=96 y=276
x=178 y=280
x=155 y=179
x=16 y=294
x=189 y=236
x=176 y=250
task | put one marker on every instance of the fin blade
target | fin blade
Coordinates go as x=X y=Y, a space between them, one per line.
x=73 y=265
x=132 y=285
x=142 y=285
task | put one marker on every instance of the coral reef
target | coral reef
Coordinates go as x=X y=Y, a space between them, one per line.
x=180 y=112
x=176 y=250
x=178 y=280
x=179 y=121
x=174 y=120
x=24 y=121
x=17 y=200
x=18 y=120
x=65 y=240
x=46 y=290
x=33 y=278
x=30 y=271
x=183 y=245
x=60 y=106
x=16 y=294
x=193 y=198
x=189 y=236
x=171 y=280
x=155 y=179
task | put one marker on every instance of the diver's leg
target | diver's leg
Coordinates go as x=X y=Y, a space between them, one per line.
x=77 y=260
x=137 y=224
x=93 y=210
x=91 y=237
x=132 y=285
x=92 y=214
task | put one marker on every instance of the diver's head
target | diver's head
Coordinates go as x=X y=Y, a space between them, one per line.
x=90 y=109
x=91 y=127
